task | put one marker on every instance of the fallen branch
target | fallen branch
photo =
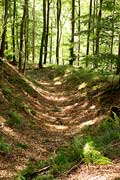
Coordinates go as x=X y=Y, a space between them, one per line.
x=74 y=167
x=43 y=170
x=37 y=172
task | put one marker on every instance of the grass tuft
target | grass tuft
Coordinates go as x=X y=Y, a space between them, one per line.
x=4 y=147
x=14 y=119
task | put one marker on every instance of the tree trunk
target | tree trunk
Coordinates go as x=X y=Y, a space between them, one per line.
x=58 y=30
x=43 y=35
x=118 y=61
x=79 y=28
x=94 y=15
x=72 y=55
x=26 y=33
x=4 y=27
x=98 y=28
x=33 y=33
x=47 y=31
x=22 y=35
x=89 y=29
x=51 y=43
x=13 y=31
x=113 y=24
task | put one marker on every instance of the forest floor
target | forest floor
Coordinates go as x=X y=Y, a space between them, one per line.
x=52 y=105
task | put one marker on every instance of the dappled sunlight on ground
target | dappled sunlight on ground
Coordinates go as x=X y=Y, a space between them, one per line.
x=53 y=110
x=95 y=172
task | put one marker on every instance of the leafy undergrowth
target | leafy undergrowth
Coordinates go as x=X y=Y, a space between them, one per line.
x=40 y=115
x=96 y=146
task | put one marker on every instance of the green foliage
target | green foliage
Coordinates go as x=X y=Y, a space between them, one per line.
x=44 y=177
x=26 y=108
x=59 y=70
x=4 y=147
x=104 y=61
x=14 y=119
x=20 y=177
x=22 y=146
x=91 y=155
x=8 y=54
x=17 y=101
x=7 y=91
x=21 y=82
x=29 y=173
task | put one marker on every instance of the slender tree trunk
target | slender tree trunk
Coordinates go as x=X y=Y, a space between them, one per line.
x=22 y=35
x=21 y=42
x=47 y=31
x=51 y=43
x=4 y=27
x=43 y=35
x=113 y=24
x=58 y=30
x=17 y=33
x=79 y=28
x=89 y=31
x=118 y=61
x=98 y=27
x=94 y=15
x=33 y=33
x=13 y=31
x=72 y=55
x=26 y=33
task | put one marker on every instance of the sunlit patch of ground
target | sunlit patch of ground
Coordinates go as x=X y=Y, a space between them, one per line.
x=91 y=172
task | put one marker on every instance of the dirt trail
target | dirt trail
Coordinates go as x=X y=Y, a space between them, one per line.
x=91 y=172
x=60 y=111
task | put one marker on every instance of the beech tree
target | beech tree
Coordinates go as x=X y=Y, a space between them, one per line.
x=4 y=28
x=49 y=31
x=72 y=55
x=58 y=30
x=43 y=35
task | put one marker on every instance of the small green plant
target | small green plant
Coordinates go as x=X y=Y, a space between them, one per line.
x=7 y=91
x=20 y=177
x=91 y=155
x=5 y=147
x=26 y=108
x=21 y=145
x=44 y=177
x=14 y=119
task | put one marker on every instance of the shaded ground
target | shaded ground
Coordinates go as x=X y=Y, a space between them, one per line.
x=54 y=107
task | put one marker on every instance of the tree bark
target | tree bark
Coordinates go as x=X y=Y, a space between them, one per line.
x=33 y=33
x=98 y=28
x=43 y=35
x=22 y=35
x=79 y=28
x=47 y=31
x=4 y=28
x=26 y=34
x=89 y=29
x=72 y=55
x=13 y=31
x=113 y=24
x=51 y=43
x=58 y=30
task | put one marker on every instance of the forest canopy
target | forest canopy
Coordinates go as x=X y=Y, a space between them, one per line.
x=85 y=33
